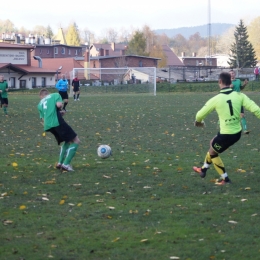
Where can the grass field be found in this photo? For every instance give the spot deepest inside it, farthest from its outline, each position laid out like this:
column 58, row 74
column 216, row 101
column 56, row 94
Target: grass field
column 144, row 202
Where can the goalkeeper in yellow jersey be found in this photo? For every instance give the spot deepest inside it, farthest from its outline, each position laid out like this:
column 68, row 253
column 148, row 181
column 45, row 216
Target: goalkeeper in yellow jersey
column 228, row 107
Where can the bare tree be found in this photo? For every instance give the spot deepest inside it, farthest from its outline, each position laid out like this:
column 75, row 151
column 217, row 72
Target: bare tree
column 87, row 36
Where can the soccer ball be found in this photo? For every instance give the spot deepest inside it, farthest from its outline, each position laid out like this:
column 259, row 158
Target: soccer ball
column 104, row 151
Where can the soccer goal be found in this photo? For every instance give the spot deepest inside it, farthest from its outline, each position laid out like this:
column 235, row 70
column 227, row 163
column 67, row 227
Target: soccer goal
column 115, row 80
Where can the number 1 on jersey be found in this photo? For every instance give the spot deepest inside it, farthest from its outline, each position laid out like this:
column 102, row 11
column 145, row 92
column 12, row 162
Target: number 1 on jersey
column 230, row 107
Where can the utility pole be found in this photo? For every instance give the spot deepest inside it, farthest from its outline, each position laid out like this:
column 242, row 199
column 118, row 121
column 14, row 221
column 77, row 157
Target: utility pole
column 209, row 34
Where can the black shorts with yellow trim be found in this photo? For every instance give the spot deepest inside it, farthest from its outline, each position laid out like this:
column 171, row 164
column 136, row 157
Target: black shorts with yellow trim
column 222, row 142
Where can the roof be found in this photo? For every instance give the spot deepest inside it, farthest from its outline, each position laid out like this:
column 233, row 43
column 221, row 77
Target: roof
column 26, row 69
column 4, row 45
column 172, row 59
column 54, row 63
column 108, row 46
column 112, row 57
column 60, row 37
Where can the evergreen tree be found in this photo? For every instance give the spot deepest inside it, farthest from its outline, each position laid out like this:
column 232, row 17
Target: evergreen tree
column 137, row 45
column 242, row 51
column 72, row 36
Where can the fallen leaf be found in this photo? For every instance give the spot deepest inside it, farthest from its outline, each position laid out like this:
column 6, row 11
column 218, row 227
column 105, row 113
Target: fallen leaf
column 62, row 202
column 232, row 222
column 14, row 164
column 22, row 207
column 7, row 222
column 116, row 239
column 144, row 240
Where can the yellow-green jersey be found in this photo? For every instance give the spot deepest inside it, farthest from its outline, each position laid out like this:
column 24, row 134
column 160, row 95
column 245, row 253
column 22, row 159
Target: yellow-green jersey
column 49, row 112
column 228, row 107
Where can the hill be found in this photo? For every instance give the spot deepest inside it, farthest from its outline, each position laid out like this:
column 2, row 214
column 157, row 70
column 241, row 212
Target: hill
column 216, row 29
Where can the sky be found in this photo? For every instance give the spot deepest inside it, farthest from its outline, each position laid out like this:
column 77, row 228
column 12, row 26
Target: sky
column 100, row 15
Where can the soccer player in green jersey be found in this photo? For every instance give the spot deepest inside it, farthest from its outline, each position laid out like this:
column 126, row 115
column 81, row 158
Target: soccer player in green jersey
column 228, row 106
column 50, row 109
column 3, row 94
column 238, row 86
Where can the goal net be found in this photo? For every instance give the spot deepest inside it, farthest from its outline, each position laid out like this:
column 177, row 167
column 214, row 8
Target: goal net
column 115, row 80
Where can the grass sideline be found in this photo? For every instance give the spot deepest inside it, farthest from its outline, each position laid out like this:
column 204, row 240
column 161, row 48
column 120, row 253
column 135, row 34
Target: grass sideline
column 144, row 202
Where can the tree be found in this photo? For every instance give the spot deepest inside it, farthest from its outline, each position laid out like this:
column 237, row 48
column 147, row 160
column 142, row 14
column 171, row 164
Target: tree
column 72, row 36
column 157, row 52
column 179, row 44
column 242, row 51
column 39, row 29
column 254, row 35
column 225, row 41
column 87, row 36
column 137, row 45
column 48, row 32
column 7, row 26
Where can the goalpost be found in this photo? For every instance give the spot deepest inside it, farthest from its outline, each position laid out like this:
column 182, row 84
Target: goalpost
column 115, row 80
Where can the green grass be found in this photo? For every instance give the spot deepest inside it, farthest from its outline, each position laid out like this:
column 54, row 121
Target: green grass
column 146, row 190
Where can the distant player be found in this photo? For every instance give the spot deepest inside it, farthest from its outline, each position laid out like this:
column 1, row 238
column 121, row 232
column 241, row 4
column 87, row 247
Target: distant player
column 76, row 88
column 50, row 112
column 62, row 85
column 3, row 94
column 238, row 86
column 228, row 106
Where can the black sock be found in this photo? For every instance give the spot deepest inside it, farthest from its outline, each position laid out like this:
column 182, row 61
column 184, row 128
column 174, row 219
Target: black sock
column 65, row 104
column 78, row 96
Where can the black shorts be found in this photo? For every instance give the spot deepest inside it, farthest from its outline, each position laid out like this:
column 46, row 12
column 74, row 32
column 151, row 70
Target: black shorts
column 63, row 133
column 222, row 142
column 64, row 94
column 76, row 89
column 4, row 101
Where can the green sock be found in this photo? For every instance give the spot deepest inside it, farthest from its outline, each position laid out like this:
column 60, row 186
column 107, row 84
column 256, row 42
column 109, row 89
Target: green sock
column 63, row 150
column 71, row 152
column 5, row 110
column 243, row 122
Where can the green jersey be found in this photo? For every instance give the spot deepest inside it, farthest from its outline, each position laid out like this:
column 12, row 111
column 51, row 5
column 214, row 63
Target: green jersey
column 228, row 107
column 236, row 85
column 48, row 110
column 3, row 87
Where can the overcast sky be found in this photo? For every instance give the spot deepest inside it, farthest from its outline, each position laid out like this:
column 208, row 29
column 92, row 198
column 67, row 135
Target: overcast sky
column 103, row 14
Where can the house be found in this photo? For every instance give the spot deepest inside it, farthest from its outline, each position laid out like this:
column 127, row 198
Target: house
column 16, row 67
column 198, row 61
column 113, row 49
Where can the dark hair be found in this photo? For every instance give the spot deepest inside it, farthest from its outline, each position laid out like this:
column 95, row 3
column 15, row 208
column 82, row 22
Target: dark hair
column 225, row 78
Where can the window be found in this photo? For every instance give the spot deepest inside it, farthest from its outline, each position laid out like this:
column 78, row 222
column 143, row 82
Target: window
column 40, row 51
column 12, row 83
column 69, row 52
column 62, row 50
column 33, row 82
column 43, row 82
column 55, row 50
column 140, row 63
column 76, row 52
column 48, row 51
